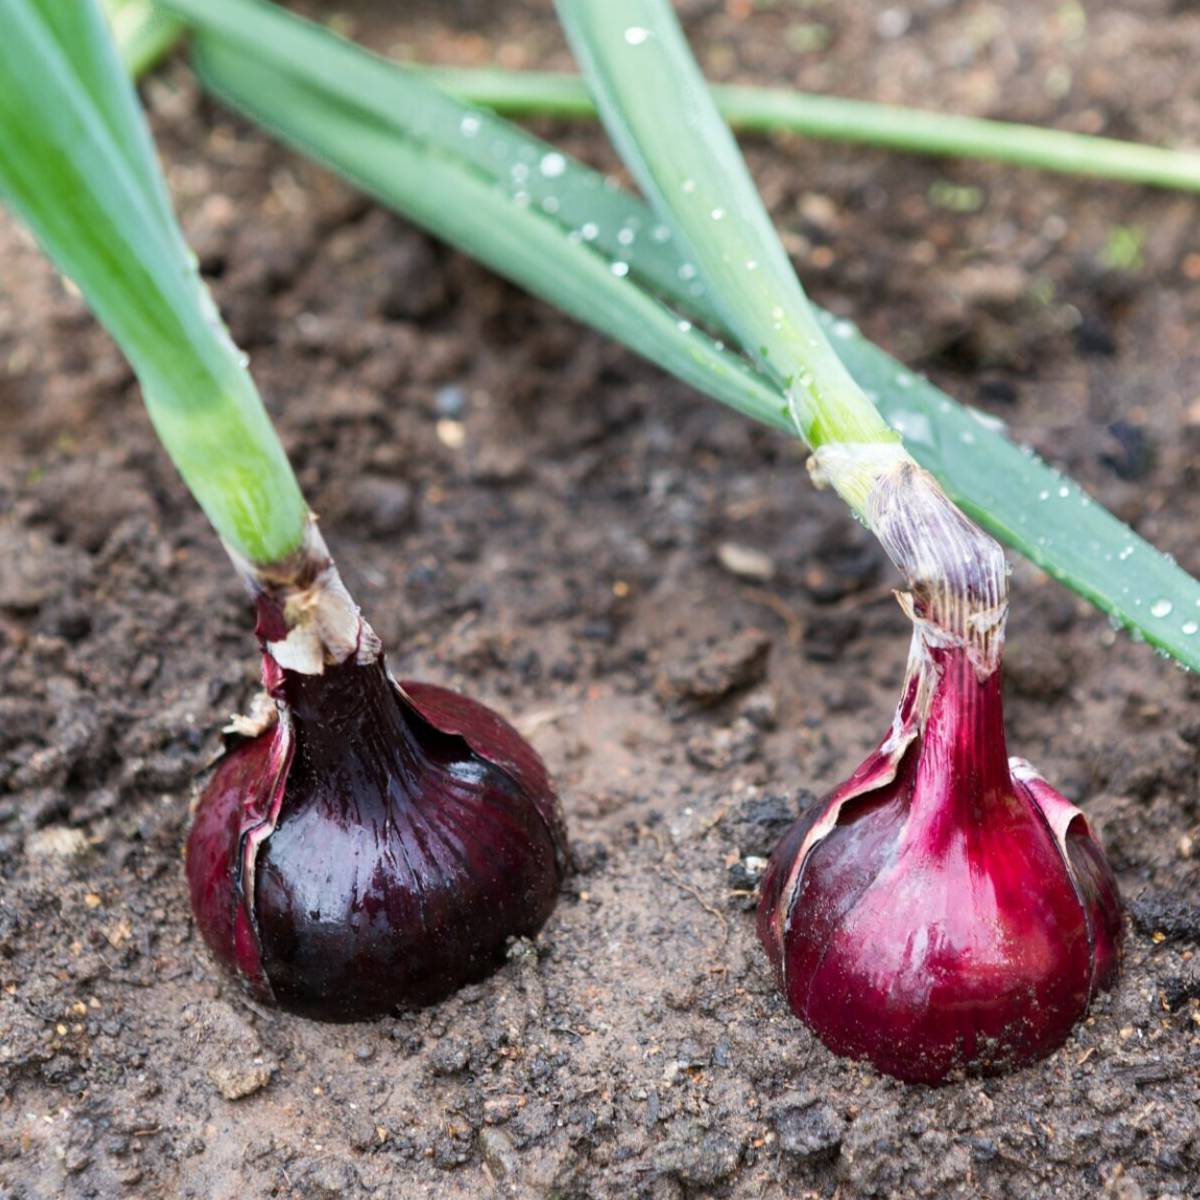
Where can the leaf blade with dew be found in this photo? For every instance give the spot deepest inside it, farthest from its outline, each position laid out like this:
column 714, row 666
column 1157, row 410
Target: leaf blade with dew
column 858, row 122
column 993, row 480
column 144, row 33
column 658, row 113
column 81, row 173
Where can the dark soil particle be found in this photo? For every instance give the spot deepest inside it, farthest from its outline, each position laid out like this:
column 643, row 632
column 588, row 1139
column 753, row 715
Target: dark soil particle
column 696, row 641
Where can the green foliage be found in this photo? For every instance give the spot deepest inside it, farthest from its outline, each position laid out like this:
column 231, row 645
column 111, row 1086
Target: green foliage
column 558, row 228
column 77, row 165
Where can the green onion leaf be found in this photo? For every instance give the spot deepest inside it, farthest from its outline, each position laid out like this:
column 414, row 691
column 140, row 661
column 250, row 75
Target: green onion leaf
column 556, row 227
column 862, row 122
column 76, row 164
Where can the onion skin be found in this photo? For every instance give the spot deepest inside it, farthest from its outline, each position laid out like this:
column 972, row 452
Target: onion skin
column 376, row 848
column 945, row 910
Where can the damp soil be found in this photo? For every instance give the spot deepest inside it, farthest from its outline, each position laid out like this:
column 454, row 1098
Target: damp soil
column 695, row 640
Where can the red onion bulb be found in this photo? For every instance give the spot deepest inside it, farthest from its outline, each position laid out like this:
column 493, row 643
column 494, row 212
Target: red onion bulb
column 375, row 848
column 945, row 909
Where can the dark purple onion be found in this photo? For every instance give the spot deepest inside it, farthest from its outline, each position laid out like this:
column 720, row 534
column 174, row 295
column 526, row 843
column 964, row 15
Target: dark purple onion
column 376, row 848
column 944, row 909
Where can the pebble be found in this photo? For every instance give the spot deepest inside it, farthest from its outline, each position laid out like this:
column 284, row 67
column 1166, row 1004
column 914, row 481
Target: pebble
column 746, row 562
column 718, row 749
column 238, row 1082
column 810, row 1131
column 707, row 674
column 498, row 1152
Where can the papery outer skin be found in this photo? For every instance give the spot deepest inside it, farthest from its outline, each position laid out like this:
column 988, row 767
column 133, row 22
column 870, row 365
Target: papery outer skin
column 243, row 792
column 936, row 913
column 416, row 832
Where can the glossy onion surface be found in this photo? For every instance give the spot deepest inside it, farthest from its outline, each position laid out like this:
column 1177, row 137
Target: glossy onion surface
column 943, row 910
column 375, row 848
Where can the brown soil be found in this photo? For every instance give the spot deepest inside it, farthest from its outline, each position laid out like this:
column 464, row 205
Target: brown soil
column 563, row 563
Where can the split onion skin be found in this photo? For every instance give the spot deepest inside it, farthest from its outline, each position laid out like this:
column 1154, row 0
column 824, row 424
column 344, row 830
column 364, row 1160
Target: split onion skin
column 375, row 849
column 945, row 911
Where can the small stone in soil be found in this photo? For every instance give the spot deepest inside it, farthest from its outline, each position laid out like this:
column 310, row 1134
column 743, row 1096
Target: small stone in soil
column 809, row 1131
column 706, row 675
column 238, row 1082
column 746, row 562
column 328, row 1177
column 498, row 1152
column 761, row 709
column 719, row 749
column 698, row 1160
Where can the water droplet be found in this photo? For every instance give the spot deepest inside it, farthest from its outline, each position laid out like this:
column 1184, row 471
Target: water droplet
column 717, row 214
column 914, row 426
column 519, row 172
column 1161, row 608
column 620, row 269
column 689, row 186
column 1189, row 627
column 903, row 379
column 661, row 233
column 590, row 231
column 1125, row 553
column 843, row 329
column 751, row 264
column 967, row 437
column 986, row 419
column 550, row 204
column 243, row 358
column 684, row 326
column 626, row 236
column 1064, row 491
column 552, row 165
column 521, row 199
column 777, row 313
column 1043, row 494
column 469, row 125
column 687, row 271
column 635, row 35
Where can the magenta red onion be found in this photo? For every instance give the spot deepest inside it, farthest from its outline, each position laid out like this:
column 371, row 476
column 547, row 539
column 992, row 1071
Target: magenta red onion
column 376, row 847
column 945, row 909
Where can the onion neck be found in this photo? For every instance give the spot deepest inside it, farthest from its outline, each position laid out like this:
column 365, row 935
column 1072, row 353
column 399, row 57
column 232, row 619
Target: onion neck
column 307, row 620
column 962, row 775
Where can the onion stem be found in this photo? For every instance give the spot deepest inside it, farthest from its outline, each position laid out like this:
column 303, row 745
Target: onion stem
column 77, row 165
column 662, row 118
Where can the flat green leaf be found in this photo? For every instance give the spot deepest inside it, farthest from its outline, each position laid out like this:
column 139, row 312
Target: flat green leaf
column 862, row 122
column 556, row 227
column 77, row 166
column 659, row 114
